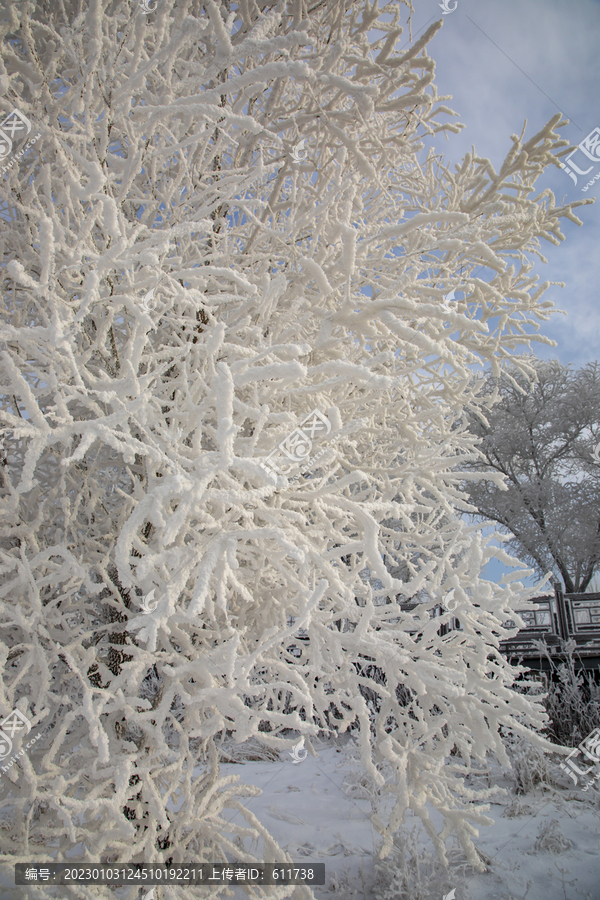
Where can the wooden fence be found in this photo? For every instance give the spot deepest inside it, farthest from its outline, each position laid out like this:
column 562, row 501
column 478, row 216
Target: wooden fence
column 558, row 618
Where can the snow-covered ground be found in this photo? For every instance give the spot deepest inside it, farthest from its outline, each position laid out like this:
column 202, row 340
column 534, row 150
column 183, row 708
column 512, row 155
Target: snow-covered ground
column 318, row 810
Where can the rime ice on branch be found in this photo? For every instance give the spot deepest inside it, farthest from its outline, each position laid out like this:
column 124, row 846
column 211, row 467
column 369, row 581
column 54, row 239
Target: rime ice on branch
column 134, row 433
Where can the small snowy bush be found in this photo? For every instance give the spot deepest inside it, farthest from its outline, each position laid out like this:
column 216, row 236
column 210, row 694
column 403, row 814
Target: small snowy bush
column 517, row 808
column 550, row 838
column 572, row 702
column 411, row 873
column 530, row 766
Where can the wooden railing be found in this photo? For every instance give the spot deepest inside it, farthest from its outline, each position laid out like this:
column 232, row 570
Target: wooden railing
column 558, row 618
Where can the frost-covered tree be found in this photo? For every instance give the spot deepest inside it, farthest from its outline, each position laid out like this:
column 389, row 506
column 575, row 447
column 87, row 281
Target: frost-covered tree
column 539, row 440
column 230, row 221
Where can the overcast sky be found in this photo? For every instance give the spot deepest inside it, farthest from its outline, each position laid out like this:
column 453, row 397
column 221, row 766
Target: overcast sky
column 507, row 61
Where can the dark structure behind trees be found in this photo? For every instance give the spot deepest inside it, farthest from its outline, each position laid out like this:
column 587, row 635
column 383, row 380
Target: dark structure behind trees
column 557, row 619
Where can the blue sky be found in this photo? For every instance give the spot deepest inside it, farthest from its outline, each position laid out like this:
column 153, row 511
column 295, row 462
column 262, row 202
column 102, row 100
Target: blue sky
column 507, row 61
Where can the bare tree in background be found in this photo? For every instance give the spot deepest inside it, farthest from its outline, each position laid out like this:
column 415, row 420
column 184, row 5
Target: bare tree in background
column 538, row 443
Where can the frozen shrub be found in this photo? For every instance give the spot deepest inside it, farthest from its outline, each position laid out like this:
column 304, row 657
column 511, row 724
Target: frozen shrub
column 550, row 838
column 530, row 766
column 410, row 873
column 517, row 808
column 572, row 702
